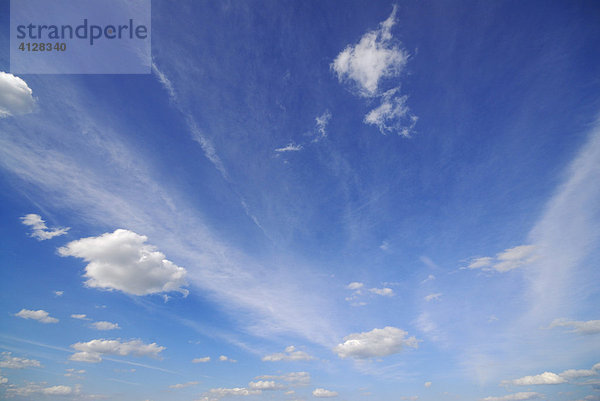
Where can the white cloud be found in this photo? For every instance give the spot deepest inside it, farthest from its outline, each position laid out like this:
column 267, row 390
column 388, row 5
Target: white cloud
column 264, row 385
column 293, row 378
column 15, row 96
column 581, row 327
column 355, row 286
column 105, row 326
column 123, row 261
column 427, row 384
column 183, row 385
column 39, row 315
column 290, row 354
column 523, row 396
column 375, row 343
column 291, row 147
column 392, row 115
column 92, row 351
column 322, row 393
column 432, row 297
column 80, row 316
column 33, row 388
column 239, row 391
column 373, row 58
column 544, row 378
column 12, row 362
column 3, row 380
column 506, row 260
column 385, row 292
column 571, row 374
column 224, row 358
column 429, row 278
column 58, row 293
column 322, row 121
column 39, row 229
column 201, row 360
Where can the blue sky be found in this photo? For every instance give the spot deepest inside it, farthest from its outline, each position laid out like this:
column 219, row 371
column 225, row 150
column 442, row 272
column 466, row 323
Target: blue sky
column 345, row 200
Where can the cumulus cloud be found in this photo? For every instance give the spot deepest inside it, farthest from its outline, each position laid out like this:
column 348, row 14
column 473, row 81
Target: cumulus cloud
column 123, row 261
column 427, row 384
column 183, row 385
column 224, row 358
column 385, row 292
column 580, row 327
column 201, row 360
column 16, row 97
column 239, row 391
column 290, row 354
column 392, row 115
column 31, row 389
column 13, row 362
column 544, row 378
column 355, row 286
column 375, row 343
column 39, row 229
column 105, row 325
column 39, row 315
column 291, row 147
column 93, row 350
column 506, row 260
column 292, row 378
column 523, row 396
column 80, row 316
column 264, row 385
column 322, row 393
column 374, row 57
column 432, row 297
column 58, row 293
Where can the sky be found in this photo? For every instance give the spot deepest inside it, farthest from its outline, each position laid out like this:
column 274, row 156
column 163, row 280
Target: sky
column 350, row 200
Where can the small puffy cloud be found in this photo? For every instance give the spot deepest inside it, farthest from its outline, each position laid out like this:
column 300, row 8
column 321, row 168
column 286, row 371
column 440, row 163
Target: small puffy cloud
column 264, row 385
column 432, row 297
column 375, row 343
column 292, row 378
column 429, row 278
column 31, row 389
column 92, row 351
column 8, row 361
column 74, row 373
column 572, row 374
column 523, row 396
column 201, row 360
column 123, row 261
column 183, row 385
column 239, row 391
column 39, row 315
column 322, row 393
column 80, row 316
column 355, row 286
column 58, row 293
column 385, row 292
column 291, row 147
column 374, row 57
column 544, row 378
column 105, row 326
column 506, row 260
column 290, row 354
column 3, row 380
column 580, row 327
column 427, row 384
column 321, row 124
column 16, row 97
column 224, row 358
column 39, row 229
column 392, row 115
